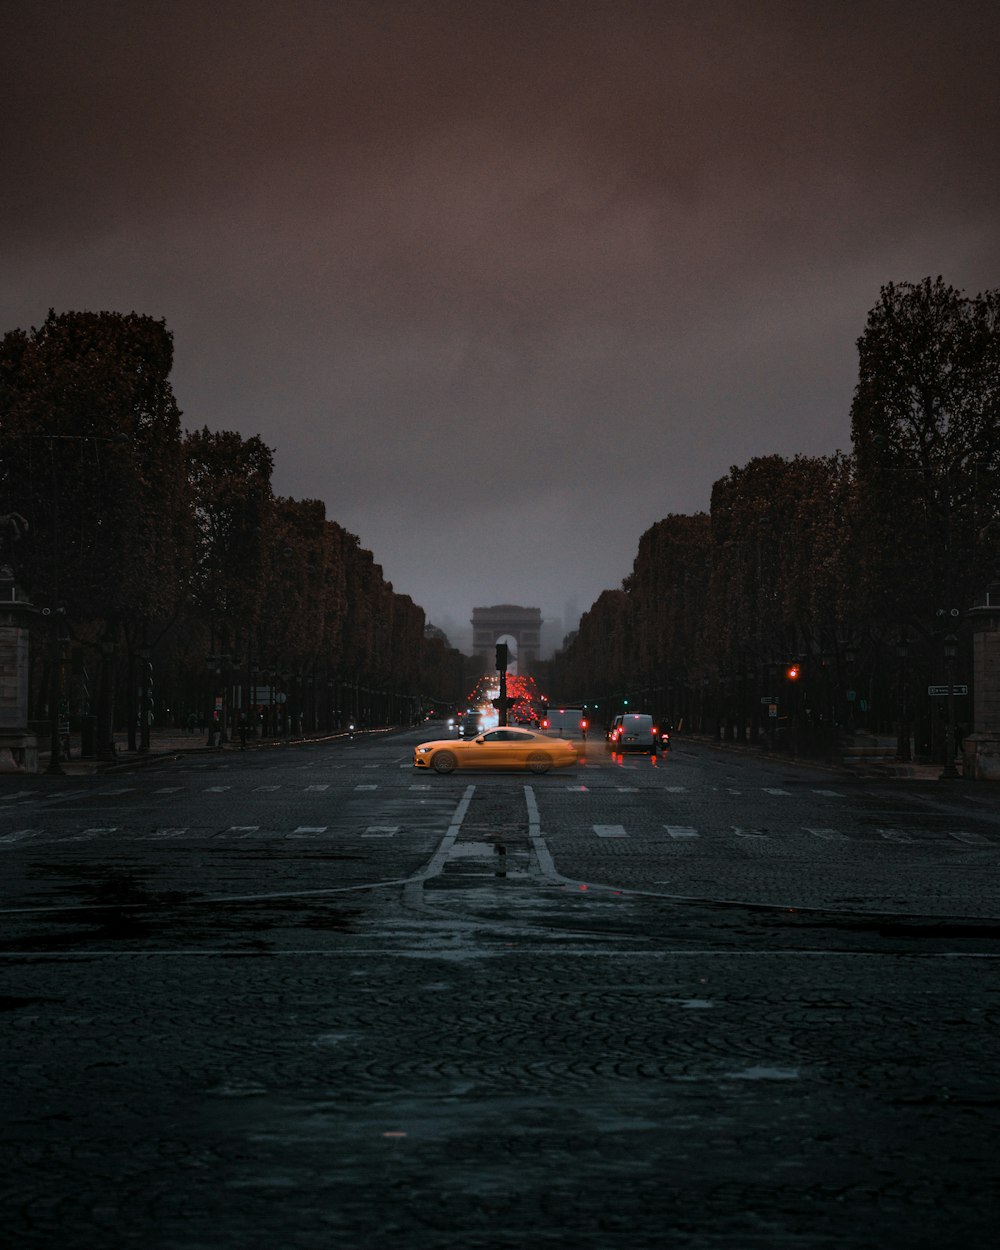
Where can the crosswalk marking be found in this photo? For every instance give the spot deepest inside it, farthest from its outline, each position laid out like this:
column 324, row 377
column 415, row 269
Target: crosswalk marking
column 321, row 787
column 380, row 831
column 675, row 789
column 749, row 833
column 217, row 789
column 375, row 787
column 828, row 835
column 170, row 833
column 774, row 790
column 309, row 829
column 973, row 839
column 18, row 835
column 610, row 831
column 681, row 831
column 267, row 788
column 242, row 828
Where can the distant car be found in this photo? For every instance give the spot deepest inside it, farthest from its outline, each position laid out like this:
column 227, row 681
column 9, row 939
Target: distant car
column 633, row 731
column 498, row 748
column 469, row 725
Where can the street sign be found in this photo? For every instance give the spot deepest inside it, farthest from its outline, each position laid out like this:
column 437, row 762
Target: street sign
column 941, row 692
column 768, row 698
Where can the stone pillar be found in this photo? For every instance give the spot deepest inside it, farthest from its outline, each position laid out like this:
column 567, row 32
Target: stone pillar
column 18, row 747
column 981, row 748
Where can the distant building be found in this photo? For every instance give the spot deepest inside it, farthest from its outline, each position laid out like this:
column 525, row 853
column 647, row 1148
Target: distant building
column 432, row 631
column 519, row 627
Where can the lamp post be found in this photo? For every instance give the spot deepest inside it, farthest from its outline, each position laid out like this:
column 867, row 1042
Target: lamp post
column 903, row 734
column 950, row 651
column 55, row 767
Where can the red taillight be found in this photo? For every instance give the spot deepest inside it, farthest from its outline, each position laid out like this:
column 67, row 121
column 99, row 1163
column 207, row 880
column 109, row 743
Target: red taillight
column 583, row 724
column 545, row 724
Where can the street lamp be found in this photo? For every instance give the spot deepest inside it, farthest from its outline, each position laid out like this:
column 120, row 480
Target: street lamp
column 903, row 736
column 950, row 651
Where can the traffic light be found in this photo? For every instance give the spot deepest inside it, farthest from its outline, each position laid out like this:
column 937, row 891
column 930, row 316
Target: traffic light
column 501, row 657
column 792, row 672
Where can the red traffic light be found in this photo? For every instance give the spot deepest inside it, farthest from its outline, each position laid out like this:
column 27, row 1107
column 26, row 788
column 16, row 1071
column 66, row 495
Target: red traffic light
column 792, row 672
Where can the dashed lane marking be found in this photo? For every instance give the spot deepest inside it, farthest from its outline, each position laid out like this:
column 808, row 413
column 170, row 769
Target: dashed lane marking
column 973, row 839
column 894, row 835
column 18, row 835
column 829, row 794
column 318, row 787
column 610, row 831
column 309, row 829
column 774, row 790
column 375, row 787
column 168, row 790
column 170, row 833
column 380, row 831
column 828, row 835
column 675, row 789
column 242, row 828
column 256, row 788
column 217, row 789
column 681, row 831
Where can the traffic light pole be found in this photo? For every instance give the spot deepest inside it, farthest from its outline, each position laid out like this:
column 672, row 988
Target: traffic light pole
column 502, row 670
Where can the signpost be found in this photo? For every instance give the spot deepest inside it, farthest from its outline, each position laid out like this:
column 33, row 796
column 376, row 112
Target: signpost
column 941, row 692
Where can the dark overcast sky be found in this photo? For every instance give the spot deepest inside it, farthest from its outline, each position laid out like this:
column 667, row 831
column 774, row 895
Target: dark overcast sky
column 502, row 283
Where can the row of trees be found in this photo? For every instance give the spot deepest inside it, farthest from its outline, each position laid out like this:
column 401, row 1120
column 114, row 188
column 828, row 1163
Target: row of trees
column 174, row 583
column 825, row 593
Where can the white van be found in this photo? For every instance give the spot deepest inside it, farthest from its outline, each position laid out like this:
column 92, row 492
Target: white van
column 565, row 722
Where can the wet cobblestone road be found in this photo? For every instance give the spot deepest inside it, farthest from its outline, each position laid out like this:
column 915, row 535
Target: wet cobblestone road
column 466, row 1059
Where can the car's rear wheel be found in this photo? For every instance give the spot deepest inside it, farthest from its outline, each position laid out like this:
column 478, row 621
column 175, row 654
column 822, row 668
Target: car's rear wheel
column 539, row 762
column 444, row 762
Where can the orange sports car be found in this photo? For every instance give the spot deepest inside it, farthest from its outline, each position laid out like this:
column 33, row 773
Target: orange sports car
column 497, row 748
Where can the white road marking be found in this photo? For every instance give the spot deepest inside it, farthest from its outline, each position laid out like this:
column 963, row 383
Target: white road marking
column 217, row 789
column 380, row 831
column 169, row 833
column 774, row 790
column 309, row 829
column 828, row 835
column 627, row 789
column 749, row 833
column 681, row 831
column 242, row 828
column 375, row 787
column 267, row 788
column 323, row 787
column 168, row 790
column 829, row 794
column 610, row 831
column 973, row 839
column 17, row 835
column 894, row 835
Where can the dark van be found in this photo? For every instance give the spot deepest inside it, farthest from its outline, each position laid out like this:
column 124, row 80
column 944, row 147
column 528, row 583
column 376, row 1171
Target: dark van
column 634, row 731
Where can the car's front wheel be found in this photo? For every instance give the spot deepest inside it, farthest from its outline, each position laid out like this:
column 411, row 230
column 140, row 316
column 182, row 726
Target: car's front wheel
column 444, row 762
column 539, row 762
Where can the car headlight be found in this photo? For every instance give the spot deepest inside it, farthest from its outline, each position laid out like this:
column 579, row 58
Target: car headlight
column 423, row 750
